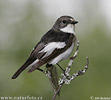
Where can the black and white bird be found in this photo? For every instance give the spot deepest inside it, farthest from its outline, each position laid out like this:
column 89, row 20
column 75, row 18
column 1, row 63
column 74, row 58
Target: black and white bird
column 55, row 46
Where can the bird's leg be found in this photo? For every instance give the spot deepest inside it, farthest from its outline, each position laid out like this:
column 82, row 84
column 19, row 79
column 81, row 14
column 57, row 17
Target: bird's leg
column 41, row 70
column 61, row 69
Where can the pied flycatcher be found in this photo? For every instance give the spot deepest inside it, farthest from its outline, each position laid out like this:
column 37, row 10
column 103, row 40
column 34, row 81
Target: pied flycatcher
column 55, row 46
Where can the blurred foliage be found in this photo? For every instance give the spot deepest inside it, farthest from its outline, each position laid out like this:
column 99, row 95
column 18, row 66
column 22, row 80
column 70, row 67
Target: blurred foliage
column 19, row 33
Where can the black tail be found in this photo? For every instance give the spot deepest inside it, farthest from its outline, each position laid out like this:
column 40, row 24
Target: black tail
column 23, row 67
column 18, row 72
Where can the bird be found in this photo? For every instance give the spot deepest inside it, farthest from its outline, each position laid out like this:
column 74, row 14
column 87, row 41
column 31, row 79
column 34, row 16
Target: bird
column 56, row 45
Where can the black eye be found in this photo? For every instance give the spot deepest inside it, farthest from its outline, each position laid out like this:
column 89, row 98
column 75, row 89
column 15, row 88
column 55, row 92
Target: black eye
column 64, row 22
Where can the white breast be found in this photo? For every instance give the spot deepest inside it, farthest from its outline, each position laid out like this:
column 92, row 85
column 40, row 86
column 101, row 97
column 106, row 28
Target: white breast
column 62, row 56
column 68, row 29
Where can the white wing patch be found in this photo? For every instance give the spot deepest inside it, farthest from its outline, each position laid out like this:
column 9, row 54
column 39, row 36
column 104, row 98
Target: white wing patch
column 68, row 29
column 62, row 56
column 50, row 47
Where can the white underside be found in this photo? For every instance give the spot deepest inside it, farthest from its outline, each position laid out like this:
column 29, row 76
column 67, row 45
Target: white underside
column 68, row 29
column 62, row 56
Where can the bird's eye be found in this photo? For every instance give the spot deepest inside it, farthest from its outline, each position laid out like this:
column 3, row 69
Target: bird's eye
column 64, row 22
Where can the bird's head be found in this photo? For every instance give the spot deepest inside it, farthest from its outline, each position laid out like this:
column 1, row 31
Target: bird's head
column 65, row 24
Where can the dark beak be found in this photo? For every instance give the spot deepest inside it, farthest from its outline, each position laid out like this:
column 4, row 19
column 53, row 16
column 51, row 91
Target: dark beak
column 74, row 22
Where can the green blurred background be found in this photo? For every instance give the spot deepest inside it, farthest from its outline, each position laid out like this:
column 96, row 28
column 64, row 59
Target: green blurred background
column 23, row 22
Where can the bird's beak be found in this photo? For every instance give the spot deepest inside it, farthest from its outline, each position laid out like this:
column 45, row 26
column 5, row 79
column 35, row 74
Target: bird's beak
column 74, row 22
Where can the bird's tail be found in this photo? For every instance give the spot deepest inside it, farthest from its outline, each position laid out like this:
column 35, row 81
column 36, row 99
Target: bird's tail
column 26, row 65
column 20, row 70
